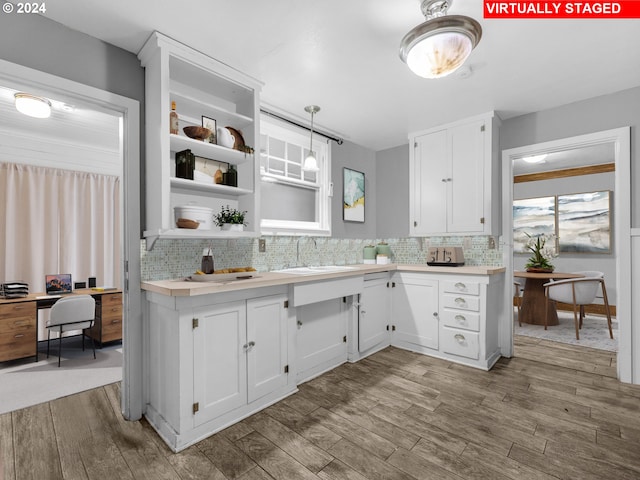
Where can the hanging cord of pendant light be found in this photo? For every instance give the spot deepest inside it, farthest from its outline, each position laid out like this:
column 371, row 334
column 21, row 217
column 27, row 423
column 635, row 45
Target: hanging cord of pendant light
column 310, row 162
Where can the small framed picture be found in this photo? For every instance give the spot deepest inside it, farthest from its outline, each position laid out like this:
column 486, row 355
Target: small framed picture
column 353, row 196
column 210, row 123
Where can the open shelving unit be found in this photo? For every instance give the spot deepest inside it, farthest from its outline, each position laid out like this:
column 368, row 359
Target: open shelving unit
column 200, row 86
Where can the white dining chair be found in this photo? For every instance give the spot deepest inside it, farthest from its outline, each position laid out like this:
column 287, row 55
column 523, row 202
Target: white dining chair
column 578, row 292
column 76, row 312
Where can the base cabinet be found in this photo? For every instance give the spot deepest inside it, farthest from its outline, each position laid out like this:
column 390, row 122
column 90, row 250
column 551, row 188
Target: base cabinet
column 374, row 314
column 321, row 340
column 213, row 362
column 108, row 323
column 415, row 311
column 449, row 316
column 18, row 331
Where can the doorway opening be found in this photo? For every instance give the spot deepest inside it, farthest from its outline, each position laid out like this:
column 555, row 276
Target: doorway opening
column 615, row 264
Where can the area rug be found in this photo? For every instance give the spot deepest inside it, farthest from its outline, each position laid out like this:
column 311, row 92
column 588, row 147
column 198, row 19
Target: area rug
column 594, row 332
column 25, row 382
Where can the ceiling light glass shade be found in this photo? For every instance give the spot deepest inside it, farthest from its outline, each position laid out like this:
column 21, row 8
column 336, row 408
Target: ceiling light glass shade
column 440, row 45
column 32, row 105
column 310, row 163
column 535, row 158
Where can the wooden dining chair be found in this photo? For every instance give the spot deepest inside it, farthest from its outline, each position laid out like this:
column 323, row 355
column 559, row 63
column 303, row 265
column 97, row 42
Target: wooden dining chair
column 517, row 298
column 579, row 292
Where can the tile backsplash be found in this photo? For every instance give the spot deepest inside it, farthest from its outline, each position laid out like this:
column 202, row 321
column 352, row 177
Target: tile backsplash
column 180, row 258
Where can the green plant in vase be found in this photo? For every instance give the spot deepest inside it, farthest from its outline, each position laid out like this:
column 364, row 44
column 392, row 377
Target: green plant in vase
column 230, row 218
column 541, row 254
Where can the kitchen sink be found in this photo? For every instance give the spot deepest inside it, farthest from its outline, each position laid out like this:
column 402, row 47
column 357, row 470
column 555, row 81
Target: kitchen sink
column 315, row 270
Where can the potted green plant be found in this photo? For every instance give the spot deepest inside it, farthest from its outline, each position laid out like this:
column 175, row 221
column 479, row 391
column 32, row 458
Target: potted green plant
column 230, row 219
column 541, row 255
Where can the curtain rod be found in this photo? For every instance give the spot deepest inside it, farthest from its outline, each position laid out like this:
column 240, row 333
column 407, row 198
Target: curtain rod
column 338, row 140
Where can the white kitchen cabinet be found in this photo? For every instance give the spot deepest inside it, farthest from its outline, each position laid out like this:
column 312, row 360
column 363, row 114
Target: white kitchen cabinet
column 214, row 359
column 219, row 360
column 374, row 313
column 267, row 353
column 451, row 316
column 321, row 342
column 200, row 86
column 454, row 175
column 415, row 312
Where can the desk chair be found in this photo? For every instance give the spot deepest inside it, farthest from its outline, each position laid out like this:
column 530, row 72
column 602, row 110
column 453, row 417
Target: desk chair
column 71, row 313
column 579, row 292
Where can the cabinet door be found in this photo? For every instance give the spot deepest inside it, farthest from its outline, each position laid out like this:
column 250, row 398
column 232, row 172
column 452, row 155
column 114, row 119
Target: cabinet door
column 465, row 194
column 415, row 312
column 322, row 329
column 219, row 360
column 267, row 340
column 429, row 177
column 374, row 314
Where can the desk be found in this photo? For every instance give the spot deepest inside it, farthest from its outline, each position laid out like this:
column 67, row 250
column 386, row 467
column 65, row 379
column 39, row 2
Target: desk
column 19, row 321
column 534, row 303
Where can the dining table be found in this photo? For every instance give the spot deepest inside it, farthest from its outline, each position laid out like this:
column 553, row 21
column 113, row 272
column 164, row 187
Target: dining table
column 534, row 305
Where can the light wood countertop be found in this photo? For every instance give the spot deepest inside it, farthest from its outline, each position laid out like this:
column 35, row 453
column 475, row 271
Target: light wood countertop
column 187, row 288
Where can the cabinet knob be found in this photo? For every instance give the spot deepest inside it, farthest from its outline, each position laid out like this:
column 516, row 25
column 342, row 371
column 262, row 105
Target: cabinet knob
column 299, row 323
column 435, row 314
column 363, row 311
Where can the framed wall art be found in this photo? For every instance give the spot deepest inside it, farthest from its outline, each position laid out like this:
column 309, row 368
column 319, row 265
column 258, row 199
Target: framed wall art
column 353, row 196
column 533, row 217
column 584, row 222
column 211, row 124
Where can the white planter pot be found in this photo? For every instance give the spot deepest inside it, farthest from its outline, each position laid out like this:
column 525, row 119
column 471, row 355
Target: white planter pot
column 232, row 227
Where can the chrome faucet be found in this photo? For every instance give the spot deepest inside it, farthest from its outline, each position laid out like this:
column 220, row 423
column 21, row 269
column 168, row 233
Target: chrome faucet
column 315, row 244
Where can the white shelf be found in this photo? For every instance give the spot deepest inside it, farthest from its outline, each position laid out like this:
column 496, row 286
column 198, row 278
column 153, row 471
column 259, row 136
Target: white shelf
column 209, row 150
column 211, row 188
column 223, row 116
column 193, row 234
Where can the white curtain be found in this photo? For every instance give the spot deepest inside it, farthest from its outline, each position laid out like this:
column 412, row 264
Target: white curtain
column 58, row 221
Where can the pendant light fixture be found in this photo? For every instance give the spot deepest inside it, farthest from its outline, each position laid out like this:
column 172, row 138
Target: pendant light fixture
column 311, row 163
column 440, row 45
column 32, row 105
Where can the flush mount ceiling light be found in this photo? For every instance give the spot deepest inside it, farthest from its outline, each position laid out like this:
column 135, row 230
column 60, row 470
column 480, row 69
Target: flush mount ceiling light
column 310, row 163
column 32, row 105
column 440, row 45
column 535, row 158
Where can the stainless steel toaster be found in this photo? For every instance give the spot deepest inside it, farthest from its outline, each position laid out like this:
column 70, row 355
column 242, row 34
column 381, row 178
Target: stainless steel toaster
column 445, row 256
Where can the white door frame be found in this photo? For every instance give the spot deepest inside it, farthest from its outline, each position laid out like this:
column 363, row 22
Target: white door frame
column 41, row 83
column 622, row 236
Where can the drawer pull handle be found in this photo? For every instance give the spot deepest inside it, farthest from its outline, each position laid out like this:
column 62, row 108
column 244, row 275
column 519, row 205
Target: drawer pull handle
column 461, row 319
column 249, row 346
column 459, row 338
column 460, row 286
column 19, row 335
column 115, row 321
column 460, row 301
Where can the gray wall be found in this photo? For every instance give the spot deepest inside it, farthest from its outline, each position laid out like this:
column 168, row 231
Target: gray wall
column 363, row 160
column 392, row 188
column 42, row 44
column 616, row 110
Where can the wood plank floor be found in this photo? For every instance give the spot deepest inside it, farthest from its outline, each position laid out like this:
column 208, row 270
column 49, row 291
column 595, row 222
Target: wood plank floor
column 552, row 411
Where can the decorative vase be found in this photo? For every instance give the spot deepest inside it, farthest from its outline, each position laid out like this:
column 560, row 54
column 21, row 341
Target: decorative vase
column 232, row 227
column 539, row 270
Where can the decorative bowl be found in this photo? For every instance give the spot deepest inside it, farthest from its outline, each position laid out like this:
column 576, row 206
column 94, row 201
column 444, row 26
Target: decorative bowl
column 187, row 223
column 197, row 133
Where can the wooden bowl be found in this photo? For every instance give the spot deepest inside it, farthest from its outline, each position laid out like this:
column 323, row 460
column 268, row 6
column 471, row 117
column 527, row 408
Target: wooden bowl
column 197, row 133
column 186, row 223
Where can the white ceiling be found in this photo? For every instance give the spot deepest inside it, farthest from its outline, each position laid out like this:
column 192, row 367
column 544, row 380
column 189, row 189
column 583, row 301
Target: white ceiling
column 343, row 56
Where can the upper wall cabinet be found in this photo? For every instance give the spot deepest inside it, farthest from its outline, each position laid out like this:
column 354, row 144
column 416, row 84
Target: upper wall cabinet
column 200, row 86
column 454, row 179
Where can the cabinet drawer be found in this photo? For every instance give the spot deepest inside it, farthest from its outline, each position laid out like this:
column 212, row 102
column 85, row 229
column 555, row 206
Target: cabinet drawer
column 12, row 310
column 462, row 302
column 110, row 300
column 458, row 319
column 460, row 342
column 462, row 286
column 20, row 342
